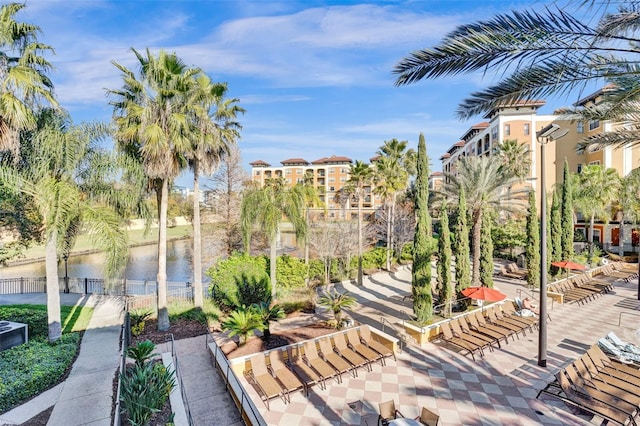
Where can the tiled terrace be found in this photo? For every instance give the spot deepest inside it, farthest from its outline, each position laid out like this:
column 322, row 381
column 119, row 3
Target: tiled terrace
column 497, row 389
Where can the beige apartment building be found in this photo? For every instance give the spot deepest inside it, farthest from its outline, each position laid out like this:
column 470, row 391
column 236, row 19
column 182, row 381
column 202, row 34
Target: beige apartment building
column 328, row 175
column 521, row 122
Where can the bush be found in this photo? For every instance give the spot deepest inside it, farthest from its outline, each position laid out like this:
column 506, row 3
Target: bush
column 28, row 370
column 145, row 387
column 373, row 259
column 316, row 272
column 35, row 317
column 239, row 280
column 290, row 272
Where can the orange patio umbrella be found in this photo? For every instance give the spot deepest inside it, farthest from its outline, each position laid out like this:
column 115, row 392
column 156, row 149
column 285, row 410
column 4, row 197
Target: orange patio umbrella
column 484, row 293
column 567, row 264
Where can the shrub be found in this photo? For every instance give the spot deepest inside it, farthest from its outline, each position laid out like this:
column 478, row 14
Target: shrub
column 242, row 323
column 137, row 318
column 144, row 391
column 290, row 271
column 267, row 313
column 142, row 352
column 337, row 301
column 316, row 271
column 372, row 259
column 28, row 370
column 35, row 317
column 239, row 280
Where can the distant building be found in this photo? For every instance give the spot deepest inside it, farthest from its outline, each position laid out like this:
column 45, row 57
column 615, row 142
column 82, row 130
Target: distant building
column 328, row 175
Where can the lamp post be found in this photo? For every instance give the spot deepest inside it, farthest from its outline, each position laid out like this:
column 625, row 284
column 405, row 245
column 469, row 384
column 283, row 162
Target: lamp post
column 66, row 274
column 545, row 135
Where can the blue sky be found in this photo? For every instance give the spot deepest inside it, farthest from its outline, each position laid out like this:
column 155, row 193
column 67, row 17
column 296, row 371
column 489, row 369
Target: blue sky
column 314, row 76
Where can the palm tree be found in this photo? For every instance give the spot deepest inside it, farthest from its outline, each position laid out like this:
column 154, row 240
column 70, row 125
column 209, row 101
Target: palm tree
column 311, row 199
column 242, row 323
column 515, row 158
column 485, row 185
column 70, row 183
column 216, row 129
column 266, row 207
column 596, row 190
column 337, row 301
column 360, row 175
column 391, row 175
column 267, row 313
column 23, row 80
column 151, row 114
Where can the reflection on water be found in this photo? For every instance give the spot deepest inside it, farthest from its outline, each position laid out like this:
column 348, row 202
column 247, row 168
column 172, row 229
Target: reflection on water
column 142, row 263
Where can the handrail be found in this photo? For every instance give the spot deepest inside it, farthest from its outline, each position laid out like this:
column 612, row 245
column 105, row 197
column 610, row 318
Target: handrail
column 176, row 367
column 402, row 337
column 226, row 373
column 627, row 313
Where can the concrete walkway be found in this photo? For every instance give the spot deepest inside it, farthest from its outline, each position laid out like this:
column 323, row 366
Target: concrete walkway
column 86, row 396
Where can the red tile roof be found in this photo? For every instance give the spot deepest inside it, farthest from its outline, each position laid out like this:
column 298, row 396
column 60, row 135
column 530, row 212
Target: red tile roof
column 260, row 163
column 294, row 161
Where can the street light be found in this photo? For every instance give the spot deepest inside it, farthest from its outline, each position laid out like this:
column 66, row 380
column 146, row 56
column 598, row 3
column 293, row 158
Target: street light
column 547, row 134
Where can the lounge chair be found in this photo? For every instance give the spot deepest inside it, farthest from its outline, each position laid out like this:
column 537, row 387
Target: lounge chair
column 610, row 383
column 602, row 361
column 304, row 371
column 337, row 362
column 514, row 269
column 388, row 412
column 322, row 367
column 289, row 381
column 457, row 341
column 508, row 311
column 428, row 417
column 263, row 381
column 622, row 345
column 602, row 391
column 472, row 323
column 505, row 273
column 515, row 327
column 366, row 352
column 367, row 339
column 610, row 348
column 343, row 349
column 482, row 322
column 461, row 325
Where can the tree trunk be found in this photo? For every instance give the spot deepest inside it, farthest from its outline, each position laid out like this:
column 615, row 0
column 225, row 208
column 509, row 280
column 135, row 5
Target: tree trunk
column 197, row 240
column 53, row 288
column 360, row 238
column 273, row 255
column 306, row 249
column 389, row 228
column 590, row 239
column 621, row 237
column 477, row 225
column 163, row 313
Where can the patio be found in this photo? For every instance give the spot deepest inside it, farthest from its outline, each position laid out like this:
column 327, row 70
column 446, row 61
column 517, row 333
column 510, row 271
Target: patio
column 497, row 389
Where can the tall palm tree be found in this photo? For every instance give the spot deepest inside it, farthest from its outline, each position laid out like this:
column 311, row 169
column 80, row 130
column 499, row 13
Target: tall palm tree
column 215, row 130
column 151, row 114
column 23, row 79
column 391, row 175
column 360, row 175
column 311, row 199
column 596, row 190
column 70, row 183
column 485, row 185
column 515, row 158
column 266, row 208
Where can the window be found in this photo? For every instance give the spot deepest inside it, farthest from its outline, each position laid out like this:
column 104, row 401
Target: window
column 288, row 172
column 332, row 188
column 300, row 180
column 507, row 129
column 332, row 179
column 594, row 163
column 343, row 170
column 257, row 172
column 343, row 179
column 494, row 133
column 594, row 124
column 526, row 129
column 580, row 168
column 331, row 170
column 580, row 127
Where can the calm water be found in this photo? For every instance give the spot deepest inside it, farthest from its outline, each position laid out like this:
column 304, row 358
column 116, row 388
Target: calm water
column 142, row 263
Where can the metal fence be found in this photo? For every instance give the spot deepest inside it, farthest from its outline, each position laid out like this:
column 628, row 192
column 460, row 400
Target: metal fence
column 23, row 285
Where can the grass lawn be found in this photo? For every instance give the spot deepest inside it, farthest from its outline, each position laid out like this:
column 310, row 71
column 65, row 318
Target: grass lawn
column 136, row 237
column 30, row 369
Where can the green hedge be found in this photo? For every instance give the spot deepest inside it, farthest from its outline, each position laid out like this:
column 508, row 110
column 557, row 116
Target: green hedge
column 28, row 370
column 35, row 316
column 239, row 280
column 290, row 272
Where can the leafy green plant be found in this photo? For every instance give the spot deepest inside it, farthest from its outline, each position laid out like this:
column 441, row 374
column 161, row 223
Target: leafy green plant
column 290, row 272
column 239, row 280
column 142, row 352
column 137, row 319
column 337, row 301
column 144, row 391
column 267, row 313
column 241, row 323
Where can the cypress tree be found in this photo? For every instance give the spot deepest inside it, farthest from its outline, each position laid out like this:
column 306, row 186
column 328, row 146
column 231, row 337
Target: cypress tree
column 422, row 250
column 444, row 261
column 567, row 214
column 532, row 251
column 556, row 231
column 463, row 266
column 486, row 250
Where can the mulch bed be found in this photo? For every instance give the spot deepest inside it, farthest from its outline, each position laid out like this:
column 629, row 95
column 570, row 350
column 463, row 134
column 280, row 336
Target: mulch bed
column 180, row 328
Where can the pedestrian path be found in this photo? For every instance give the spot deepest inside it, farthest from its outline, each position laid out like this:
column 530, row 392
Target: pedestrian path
column 86, row 396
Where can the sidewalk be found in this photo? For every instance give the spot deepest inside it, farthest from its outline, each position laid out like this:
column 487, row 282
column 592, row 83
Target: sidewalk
column 86, row 396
